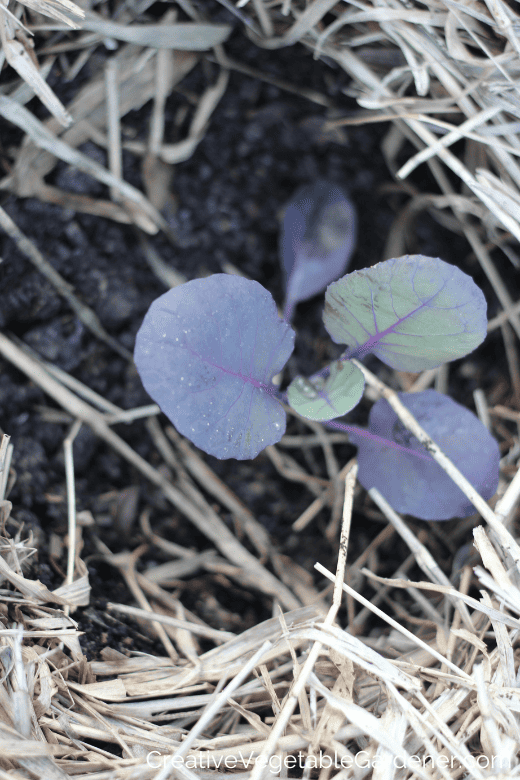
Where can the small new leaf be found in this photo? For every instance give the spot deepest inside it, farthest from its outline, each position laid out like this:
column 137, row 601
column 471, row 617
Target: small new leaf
column 324, row 399
column 317, row 240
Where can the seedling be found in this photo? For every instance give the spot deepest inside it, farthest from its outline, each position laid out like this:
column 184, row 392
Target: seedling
column 207, row 352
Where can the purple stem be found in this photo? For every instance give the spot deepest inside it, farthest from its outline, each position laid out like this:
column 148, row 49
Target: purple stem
column 354, row 428
column 380, row 439
column 288, row 311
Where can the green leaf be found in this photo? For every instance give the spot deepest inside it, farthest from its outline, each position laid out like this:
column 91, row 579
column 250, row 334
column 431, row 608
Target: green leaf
column 325, row 399
column 412, row 312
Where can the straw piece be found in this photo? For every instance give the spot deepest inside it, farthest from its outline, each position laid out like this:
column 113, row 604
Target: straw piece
column 209, row 633
column 208, row 522
column 424, row 559
column 392, row 622
column 18, row 58
column 210, row 482
column 115, row 162
column 490, row 612
column 57, row 9
column 85, row 314
column 306, row 671
column 490, row 558
column 186, row 36
column 183, row 150
column 148, row 218
column 31, row 589
column 110, row 690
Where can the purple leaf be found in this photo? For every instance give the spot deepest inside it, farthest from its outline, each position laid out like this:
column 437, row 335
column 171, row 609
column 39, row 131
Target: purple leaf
column 419, row 487
column 206, row 353
column 413, row 312
column 318, row 237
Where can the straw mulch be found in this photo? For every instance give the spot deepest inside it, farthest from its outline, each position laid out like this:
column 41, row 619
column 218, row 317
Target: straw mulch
column 297, row 693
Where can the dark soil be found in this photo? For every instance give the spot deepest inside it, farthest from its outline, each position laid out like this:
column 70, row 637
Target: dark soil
column 262, row 144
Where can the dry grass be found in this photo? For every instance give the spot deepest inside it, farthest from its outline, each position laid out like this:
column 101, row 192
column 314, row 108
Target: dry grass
column 436, row 702
column 439, row 701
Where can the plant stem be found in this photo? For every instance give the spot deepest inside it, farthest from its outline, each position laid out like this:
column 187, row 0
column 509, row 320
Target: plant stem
column 385, row 442
column 282, row 397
